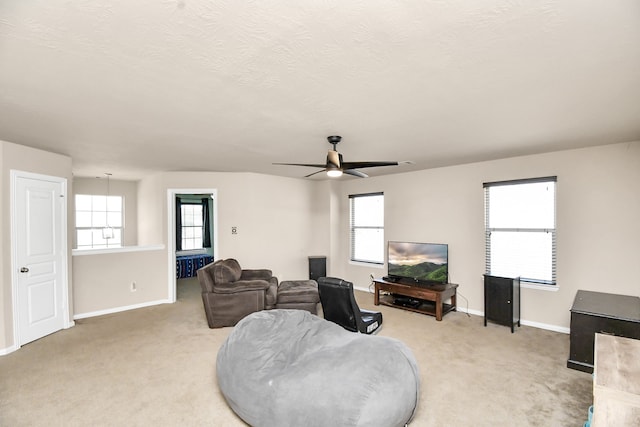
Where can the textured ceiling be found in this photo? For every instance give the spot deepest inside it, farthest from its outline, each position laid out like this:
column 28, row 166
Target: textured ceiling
column 134, row 87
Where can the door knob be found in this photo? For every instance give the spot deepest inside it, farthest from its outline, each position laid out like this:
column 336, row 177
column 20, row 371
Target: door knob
column 24, row 270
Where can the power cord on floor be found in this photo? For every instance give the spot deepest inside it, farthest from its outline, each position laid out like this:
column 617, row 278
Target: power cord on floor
column 465, row 298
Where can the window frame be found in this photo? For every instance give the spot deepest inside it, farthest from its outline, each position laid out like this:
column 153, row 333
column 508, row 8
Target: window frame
column 98, row 229
column 183, row 227
column 353, row 228
column 550, row 252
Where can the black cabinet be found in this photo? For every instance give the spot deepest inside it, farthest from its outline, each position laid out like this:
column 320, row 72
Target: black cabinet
column 502, row 300
column 317, row 267
column 597, row 312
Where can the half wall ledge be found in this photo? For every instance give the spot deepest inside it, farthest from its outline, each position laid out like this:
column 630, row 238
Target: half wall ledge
column 79, row 252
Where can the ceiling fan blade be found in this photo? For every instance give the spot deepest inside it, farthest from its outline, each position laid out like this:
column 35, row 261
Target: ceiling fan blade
column 311, row 174
column 334, row 158
column 301, row 164
column 355, row 173
column 360, row 165
column 335, row 166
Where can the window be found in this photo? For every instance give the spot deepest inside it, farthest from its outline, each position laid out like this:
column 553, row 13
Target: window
column 95, row 213
column 367, row 227
column 191, row 227
column 520, row 229
column 193, row 222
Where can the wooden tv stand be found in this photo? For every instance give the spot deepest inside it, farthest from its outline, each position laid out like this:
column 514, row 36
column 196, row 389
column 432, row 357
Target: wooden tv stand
column 430, row 298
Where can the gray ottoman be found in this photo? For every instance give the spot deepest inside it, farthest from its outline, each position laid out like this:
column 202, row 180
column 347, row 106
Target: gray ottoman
column 298, row 295
column 291, row 368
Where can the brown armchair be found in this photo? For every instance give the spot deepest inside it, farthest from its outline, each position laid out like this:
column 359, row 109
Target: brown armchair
column 229, row 293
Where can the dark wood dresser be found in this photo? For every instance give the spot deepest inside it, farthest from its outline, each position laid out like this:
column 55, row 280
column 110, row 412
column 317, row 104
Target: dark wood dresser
column 597, row 312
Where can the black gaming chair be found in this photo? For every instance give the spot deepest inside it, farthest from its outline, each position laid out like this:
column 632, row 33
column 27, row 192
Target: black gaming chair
column 339, row 306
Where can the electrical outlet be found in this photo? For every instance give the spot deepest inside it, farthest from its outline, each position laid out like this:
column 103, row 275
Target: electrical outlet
column 134, row 287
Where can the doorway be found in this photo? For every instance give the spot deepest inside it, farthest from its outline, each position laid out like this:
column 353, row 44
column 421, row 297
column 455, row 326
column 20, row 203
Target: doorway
column 191, row 196
column 38, row 256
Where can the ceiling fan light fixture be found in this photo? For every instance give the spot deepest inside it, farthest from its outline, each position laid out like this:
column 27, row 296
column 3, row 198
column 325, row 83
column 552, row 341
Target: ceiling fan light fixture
column 107, row 233
column 335, row 166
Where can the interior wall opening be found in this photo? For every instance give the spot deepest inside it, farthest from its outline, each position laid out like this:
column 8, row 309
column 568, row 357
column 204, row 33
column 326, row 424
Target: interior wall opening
column 192, row 236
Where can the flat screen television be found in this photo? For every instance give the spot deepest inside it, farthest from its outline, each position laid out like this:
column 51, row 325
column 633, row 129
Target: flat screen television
column 418, row 262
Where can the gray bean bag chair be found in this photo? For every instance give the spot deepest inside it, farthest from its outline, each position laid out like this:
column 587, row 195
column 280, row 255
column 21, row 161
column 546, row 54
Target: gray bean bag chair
column 291, row 368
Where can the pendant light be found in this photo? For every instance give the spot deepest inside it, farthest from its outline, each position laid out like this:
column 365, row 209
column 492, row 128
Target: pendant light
column 107, row 232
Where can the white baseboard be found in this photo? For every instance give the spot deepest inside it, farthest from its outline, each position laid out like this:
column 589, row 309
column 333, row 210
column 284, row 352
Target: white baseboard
column 5, row 351
column 118, row 309
column 11, row 349
column 523, row 322
column 538, row 325
column 67, row 325
column 470, row 311
column 546, row 326
column 363, row 289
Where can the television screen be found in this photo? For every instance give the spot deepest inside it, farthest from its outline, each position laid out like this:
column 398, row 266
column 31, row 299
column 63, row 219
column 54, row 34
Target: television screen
column 424, row 262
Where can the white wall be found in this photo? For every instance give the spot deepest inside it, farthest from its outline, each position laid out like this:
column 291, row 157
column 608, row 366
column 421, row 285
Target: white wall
column 275, row 217
column 151, row 210
column 598, row 226
column 25, row 159
column 282, row 221
column 104, row 280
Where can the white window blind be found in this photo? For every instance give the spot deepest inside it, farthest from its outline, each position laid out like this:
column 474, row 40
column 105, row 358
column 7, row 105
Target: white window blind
column 520, row 229
column 367, row 227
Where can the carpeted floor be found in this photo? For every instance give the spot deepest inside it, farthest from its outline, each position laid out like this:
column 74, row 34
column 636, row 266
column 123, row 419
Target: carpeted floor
column 156, row 366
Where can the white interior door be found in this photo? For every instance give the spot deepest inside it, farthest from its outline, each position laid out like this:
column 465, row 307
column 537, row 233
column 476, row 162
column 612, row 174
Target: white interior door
column 39, row 256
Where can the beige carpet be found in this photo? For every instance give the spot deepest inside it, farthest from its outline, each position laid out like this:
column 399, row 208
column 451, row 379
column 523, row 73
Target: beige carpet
column 156, row 366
